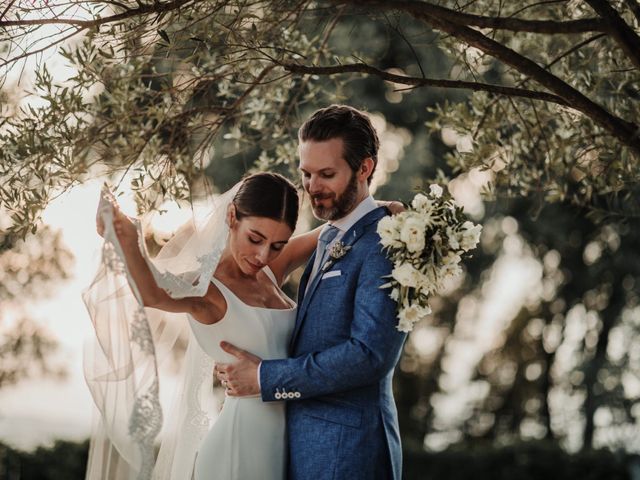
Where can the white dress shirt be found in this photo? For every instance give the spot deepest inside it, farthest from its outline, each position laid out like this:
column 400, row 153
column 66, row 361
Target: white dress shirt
column 343, row 224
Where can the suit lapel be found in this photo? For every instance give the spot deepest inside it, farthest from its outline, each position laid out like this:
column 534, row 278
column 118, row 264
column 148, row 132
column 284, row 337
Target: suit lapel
column 304, row 279
column 349, row 239
column 301, row 296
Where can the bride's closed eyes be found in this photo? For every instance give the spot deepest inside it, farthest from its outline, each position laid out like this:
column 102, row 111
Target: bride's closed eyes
column 276, row 246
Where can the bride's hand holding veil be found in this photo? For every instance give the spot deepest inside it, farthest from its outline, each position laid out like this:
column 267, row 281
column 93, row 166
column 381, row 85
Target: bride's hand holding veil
column 123, row 226
column 206, row 309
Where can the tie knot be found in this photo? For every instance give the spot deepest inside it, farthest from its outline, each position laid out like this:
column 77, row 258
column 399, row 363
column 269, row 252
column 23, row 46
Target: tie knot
column 327, row 234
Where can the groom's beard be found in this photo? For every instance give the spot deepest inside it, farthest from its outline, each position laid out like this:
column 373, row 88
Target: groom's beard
column 342, row 205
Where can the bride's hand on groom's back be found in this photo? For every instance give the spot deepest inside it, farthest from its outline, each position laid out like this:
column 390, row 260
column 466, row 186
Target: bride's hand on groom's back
column 393, row 206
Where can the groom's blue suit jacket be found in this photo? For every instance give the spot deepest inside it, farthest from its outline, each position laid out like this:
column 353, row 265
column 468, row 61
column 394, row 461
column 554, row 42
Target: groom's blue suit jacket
column 342, row 421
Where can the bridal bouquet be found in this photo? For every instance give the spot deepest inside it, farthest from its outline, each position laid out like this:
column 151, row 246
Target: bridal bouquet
column 426, row 244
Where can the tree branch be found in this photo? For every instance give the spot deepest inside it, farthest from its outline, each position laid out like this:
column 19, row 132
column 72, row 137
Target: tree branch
column 423, row 82
column 499, row 23
column 534, row 5
column 285, row 111
column 573, row 49
column 627, row 132
column 29, row 53
column 635, row 8
column 9, row 5
column 141, row 10
column 82, row 25
column 626, row 37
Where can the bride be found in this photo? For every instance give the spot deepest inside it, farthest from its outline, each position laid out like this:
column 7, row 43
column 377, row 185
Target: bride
column 246, row 243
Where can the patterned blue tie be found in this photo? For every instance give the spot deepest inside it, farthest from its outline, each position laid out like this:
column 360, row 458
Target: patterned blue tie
column 326, row 236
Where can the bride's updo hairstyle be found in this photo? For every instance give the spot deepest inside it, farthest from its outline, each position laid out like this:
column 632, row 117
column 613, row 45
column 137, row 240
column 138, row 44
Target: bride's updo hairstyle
column 268, row 195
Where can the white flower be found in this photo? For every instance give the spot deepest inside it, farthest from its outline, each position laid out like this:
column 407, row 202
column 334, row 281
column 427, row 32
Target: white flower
column 450, row 270
column 435, row 190
column 452, row 238
column 470, row 236
column 464, row 144
column 410, row 315
column 451, row 258
column 404, row 326
column 421, row 202
column 431, row 280
column 338, row 250
column 406, row 275
column 427, row 282
column 389, row 231
column 412, row 234
column 395, row 294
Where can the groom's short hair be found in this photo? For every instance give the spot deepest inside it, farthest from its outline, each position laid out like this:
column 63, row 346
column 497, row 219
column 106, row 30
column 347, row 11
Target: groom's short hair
column 352, row 126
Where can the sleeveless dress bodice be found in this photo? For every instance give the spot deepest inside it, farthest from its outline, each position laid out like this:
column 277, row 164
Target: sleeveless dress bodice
column 248, row 440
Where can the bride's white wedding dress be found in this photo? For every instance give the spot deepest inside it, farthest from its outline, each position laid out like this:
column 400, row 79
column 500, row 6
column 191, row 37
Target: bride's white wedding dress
column 248, row 439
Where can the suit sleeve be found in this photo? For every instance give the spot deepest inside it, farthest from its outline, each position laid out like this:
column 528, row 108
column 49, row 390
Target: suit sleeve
column 370, row 353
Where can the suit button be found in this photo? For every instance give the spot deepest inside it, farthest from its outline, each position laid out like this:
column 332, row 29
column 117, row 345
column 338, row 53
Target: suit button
column 290, row 395
column 278, row 396
column 297, row 395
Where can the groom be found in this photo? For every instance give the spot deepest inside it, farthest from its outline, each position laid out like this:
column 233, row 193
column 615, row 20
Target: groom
column 341, row 417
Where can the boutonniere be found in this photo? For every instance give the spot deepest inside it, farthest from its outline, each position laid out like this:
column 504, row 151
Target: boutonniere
column 336, row 252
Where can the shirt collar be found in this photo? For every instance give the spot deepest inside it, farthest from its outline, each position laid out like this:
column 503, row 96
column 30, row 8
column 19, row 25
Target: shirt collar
column 365, row 206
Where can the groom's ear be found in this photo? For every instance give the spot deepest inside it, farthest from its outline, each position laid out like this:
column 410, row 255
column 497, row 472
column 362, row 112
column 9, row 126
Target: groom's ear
column 366, row 169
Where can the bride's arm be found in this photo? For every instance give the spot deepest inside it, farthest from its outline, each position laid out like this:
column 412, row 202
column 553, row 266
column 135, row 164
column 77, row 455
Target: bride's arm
column 295, row 254
column 299, row 248
column 208, row 309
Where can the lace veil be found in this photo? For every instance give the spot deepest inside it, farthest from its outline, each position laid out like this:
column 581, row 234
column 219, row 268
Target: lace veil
column 121, row 364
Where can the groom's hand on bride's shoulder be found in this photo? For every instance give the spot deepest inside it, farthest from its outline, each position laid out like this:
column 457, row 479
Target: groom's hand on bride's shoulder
column 239, row 378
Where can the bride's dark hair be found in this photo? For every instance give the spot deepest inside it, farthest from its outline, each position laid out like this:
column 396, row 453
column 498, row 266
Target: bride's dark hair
column 270, row 195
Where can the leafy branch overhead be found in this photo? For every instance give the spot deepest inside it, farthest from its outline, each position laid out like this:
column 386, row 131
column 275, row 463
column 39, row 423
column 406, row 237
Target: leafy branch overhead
column 551, row 89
